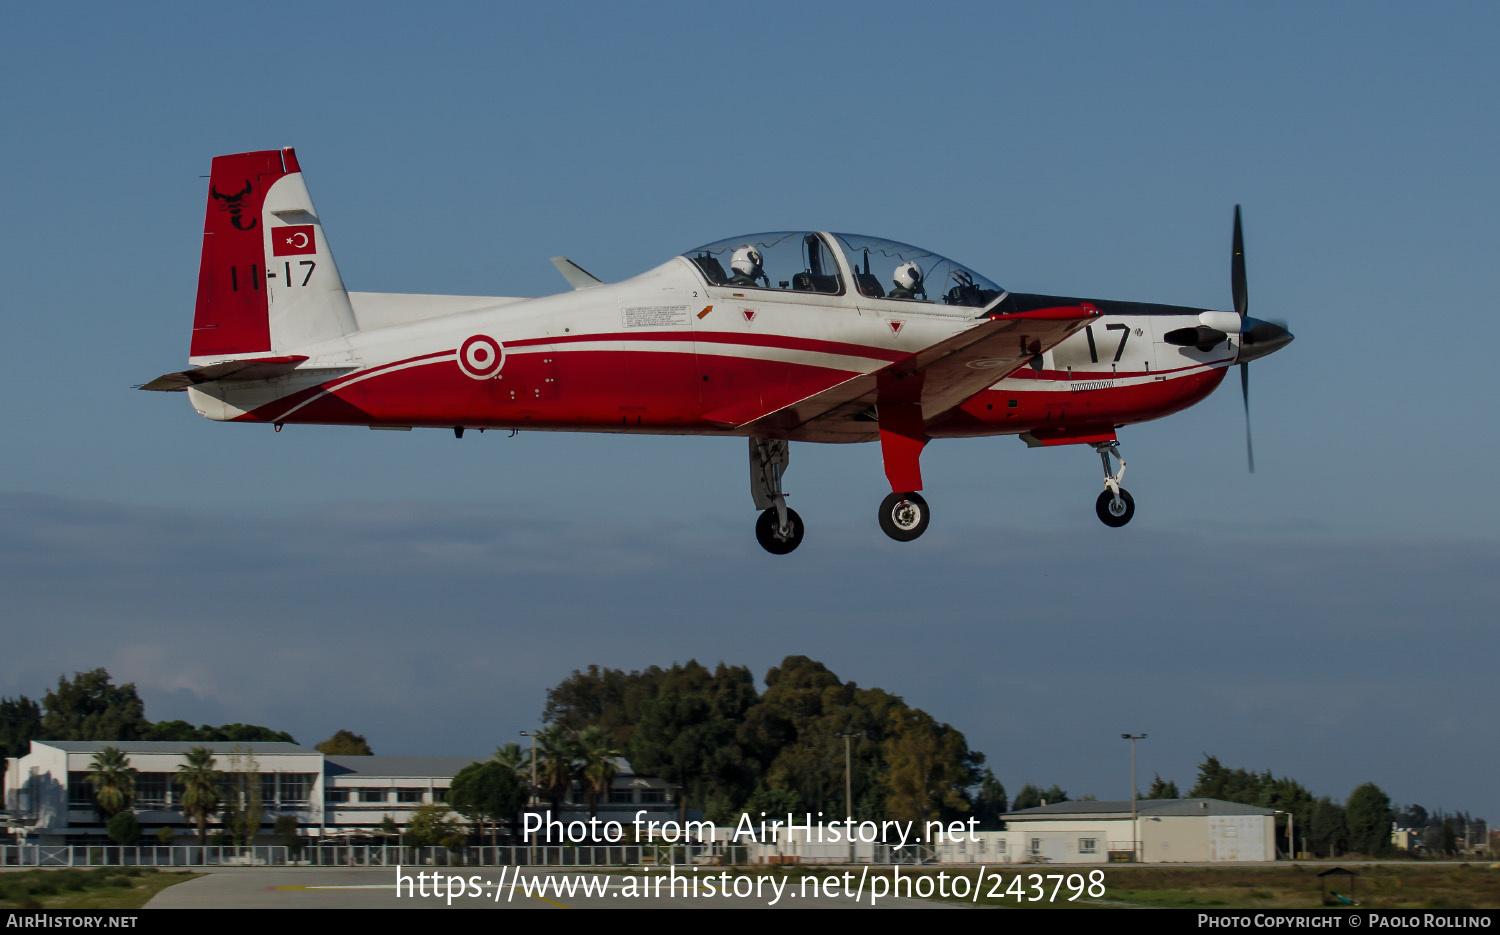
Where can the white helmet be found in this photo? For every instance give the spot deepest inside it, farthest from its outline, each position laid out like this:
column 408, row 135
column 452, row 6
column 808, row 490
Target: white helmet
column 909, row 276
column 746, row 261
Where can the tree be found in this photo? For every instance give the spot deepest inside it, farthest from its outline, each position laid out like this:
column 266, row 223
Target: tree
column 243, row 806
column 165, row 836
column 556, row 751
column 123, row 829
column 676, row 740
column 1413, row 816
column 1326, row 831
column 773, row 803
column 20, row 723
column 1368, row 817
column 200, row 788
column 288, row 833
column 709, row 733
column 1029, row 797
column 90, row 707
column 346, row 743
column 929, row 768
column 597, row 751
column 489, row 792
column 990, row 803
column 513, row 757
column 114, row 782
column 1162, row 790
column 432, row 825
column 184, row 732
column 1449, row 842
column 389, row 828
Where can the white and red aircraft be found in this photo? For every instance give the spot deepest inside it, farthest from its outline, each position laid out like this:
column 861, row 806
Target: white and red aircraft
column 780, row 337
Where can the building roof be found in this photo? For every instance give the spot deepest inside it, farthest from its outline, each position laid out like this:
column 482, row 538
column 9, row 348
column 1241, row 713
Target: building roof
column 216, row 747
column 402, row 767
column 1153, row 808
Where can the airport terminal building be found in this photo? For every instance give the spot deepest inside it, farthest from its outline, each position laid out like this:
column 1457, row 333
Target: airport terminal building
column 49, row 799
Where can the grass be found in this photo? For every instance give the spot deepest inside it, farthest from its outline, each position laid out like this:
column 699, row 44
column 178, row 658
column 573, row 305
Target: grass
column 104, row 888
column 1295, row 886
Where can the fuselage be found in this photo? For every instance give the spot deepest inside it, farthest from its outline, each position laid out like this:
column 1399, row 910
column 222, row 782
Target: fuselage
column 669, row 352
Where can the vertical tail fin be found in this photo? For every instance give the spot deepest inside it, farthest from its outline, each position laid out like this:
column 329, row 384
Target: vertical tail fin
column 267, row 283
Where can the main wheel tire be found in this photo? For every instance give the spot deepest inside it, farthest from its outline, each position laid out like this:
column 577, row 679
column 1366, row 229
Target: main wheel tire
column 765, row 532
column 904, row 516
column 1109, row 513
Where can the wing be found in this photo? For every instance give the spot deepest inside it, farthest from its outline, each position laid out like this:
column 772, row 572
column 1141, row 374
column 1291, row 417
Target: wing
column 938, row 378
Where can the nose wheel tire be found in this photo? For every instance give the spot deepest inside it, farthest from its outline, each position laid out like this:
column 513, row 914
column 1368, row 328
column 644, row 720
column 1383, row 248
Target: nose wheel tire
column 904, row 516
column 1112, row 513
column 766, row 532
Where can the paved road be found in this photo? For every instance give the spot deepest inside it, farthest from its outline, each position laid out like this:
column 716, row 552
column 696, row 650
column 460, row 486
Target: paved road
column 475, row 888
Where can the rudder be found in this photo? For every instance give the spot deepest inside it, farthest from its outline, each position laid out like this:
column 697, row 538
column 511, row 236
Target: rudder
column 267, row 282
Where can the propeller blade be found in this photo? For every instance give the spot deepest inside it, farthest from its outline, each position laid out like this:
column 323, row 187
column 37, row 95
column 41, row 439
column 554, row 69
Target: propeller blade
column 1245, row 390
column 1237, row 269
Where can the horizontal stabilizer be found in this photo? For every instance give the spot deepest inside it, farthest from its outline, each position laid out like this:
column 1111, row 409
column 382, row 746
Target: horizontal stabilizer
column 255, row 368
column 577, row 276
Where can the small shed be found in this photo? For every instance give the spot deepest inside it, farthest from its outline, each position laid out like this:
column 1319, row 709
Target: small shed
column 1337, row 876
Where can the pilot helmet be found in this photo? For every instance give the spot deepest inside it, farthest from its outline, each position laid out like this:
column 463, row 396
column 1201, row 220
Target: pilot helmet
column 746, row 261
column 909, row 276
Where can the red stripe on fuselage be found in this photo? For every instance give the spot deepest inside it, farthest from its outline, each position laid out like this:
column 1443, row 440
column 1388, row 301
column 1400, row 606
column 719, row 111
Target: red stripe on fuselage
column 670, row 392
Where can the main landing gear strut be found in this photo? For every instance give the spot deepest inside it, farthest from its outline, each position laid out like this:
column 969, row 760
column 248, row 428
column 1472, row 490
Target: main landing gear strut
column 1115, row 506
column 779, row 529
column 903, row 514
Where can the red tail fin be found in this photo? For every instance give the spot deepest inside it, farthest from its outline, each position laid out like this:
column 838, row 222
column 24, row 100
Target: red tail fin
column 232, row 314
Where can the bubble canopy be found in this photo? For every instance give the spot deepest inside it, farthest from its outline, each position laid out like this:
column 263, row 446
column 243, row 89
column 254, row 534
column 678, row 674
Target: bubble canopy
column 804, row 261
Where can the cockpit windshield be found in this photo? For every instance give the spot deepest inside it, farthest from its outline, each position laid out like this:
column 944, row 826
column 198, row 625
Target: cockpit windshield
column 803, row 261
column 886, row 269
column 799, row 261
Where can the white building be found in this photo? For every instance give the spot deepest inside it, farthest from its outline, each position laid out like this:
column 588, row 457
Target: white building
column 49, row 800
column 1168, row 831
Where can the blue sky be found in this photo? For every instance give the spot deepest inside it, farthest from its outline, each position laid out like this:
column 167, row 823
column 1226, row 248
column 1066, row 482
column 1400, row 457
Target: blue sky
column 1329, row 618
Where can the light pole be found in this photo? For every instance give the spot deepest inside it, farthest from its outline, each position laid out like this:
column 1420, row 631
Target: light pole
column 531, row 799
column 1135, row 836
column 849, row 784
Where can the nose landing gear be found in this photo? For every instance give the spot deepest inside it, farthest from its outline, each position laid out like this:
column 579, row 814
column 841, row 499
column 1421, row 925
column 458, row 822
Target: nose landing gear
column 1115, row 506
column 776, row 538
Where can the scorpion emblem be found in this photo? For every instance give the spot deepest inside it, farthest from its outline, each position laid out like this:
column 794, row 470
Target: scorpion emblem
column 231, row 203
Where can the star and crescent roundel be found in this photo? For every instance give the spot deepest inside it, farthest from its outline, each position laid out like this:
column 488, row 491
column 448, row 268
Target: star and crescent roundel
column 480, row 357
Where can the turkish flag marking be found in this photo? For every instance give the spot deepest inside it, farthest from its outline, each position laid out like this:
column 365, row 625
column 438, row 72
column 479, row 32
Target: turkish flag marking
column 293, row 241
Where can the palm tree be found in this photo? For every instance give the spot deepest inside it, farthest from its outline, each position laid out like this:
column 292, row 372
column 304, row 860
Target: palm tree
column 513, row 757
column 556, row 751
column 114, row 781
column 597, row 749
column 200, row 788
